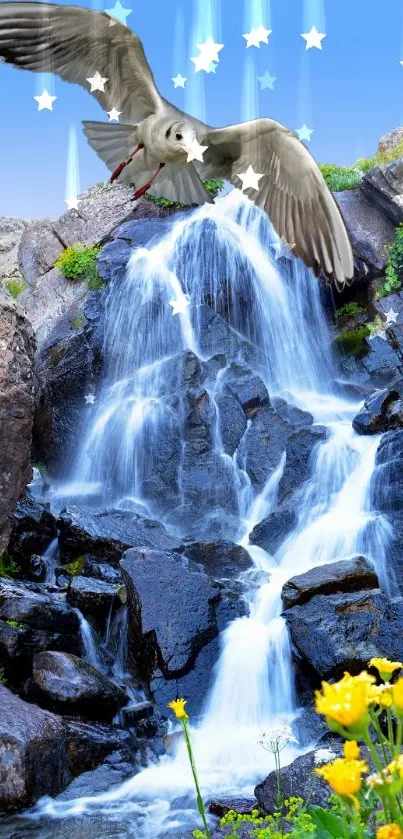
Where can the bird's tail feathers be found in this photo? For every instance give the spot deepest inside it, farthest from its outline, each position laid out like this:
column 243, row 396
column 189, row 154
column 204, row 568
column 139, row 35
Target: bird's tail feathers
column 113, row 142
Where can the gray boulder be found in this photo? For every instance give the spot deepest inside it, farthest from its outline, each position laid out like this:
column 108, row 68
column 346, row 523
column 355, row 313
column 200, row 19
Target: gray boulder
column 298, row 780
column 32, row 752
column 369, row 231
column 383, row 185
column 222, row 560
column 33, row 528
column 340, row 632
column 272, row 531
column 107, row 535
column 383, row 411
column 17, row 347
column 176, row 612
column 96, row 599
column 66, row 684
column 348, row 575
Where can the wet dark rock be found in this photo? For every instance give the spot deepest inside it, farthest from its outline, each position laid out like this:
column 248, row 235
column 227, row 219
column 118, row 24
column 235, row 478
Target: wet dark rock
column 90, row 743
column 232, row 421
column 17, row 350
column 31, row 619
column 247, row 387
column 94, row 598
column 111, row 773
column 383, row 411
column 176, row 619
column 272, row 531
column 383, row 185
column 221, row 806
column 269, row 434
column 175, row 614
column 207, row 483
column 67, row 369
column 382, row 362
column 298, row 780
column 68, row 685
column 107, row 535
column 102, row 571
column 32, row 752
column 342, row 632
column 32, row 605
column 369, row 231
column 387, row 487
column 300, row 451
column 348, row 575
column 199, row 423
column 217, row 337
column 33, row 527
column 219, row 559
column 36, row 569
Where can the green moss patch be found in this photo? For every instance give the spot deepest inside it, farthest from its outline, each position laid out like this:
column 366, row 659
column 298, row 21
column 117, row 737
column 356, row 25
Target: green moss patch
column 79, row 263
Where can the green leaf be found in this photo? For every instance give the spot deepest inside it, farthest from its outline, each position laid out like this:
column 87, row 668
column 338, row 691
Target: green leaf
column 328, row 825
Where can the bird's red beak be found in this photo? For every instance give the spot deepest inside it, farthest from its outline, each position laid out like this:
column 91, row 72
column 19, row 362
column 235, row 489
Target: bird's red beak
column 125, row 163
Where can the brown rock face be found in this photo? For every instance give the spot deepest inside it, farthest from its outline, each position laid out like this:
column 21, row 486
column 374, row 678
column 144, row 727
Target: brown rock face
column 17, row 346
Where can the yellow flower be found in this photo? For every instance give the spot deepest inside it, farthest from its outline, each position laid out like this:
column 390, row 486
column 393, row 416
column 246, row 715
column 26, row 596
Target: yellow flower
column 380, row 695
column 389, row 831
column 344, row 776
column 178, row 707
column 345, row 702
column 396, row 766
column 385, row 667
column 351, row 750
column 397, row 695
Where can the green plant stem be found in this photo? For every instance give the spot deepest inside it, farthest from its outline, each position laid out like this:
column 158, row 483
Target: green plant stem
column 375, row 757
column 378, row 730
column 279, row 801
column 200, row 803
column 391, row 739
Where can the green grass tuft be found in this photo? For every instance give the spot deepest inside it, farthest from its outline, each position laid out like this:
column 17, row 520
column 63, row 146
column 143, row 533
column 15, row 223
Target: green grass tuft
column 78, row 322
column 79, row 263
column 15, row 286
column 394, row 266
column 352, row 341
column 213, row 187
column 339, row 178
column 76, row 566
column 8, row 566
column 351, row 308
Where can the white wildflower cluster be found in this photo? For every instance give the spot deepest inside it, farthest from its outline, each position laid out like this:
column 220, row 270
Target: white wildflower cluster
column 277, row 738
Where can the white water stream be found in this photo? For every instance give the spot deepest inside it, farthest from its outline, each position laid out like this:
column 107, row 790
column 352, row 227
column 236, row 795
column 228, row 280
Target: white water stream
column 225, row 252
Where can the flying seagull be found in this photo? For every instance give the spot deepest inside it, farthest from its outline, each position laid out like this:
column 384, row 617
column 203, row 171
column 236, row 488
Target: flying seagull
column 154, row 138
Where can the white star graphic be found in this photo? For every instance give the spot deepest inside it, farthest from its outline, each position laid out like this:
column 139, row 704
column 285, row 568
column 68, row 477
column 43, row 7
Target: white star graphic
column 313, row 38
column 401, row 62
column 201, row 62
column 250, row 179
column 90, row 399
column 195, row 151
column 45, row 100
column 391, row 316
column 256, row 36
column 97, row 82
column 114, row 114
column 72, row 203
column 179, row 306
column 118, row 14
column 179, row 80
column 210, row 49
column 267, row 81
column 304, row 133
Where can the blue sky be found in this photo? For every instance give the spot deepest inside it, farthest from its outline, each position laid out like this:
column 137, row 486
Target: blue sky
column 350, row 93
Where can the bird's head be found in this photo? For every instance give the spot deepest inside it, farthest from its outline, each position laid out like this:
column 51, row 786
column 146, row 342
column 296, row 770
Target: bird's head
column 179, row 138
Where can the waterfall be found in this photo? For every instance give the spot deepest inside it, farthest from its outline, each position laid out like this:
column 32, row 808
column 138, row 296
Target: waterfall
column 224, row 258
column 90, row 643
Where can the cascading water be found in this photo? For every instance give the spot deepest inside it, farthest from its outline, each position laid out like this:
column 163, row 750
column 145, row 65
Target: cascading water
column 220, row 256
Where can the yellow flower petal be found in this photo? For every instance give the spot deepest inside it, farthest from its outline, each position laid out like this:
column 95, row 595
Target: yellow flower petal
column 397, row 695
column 178, row 707
column 351, row 750
column 389, row 831
column 385, row 667
column 345, row 702
column 344, row 776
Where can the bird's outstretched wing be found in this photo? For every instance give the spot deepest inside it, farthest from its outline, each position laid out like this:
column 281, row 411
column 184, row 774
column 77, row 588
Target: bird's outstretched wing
column 77, row 43
column 292, row 191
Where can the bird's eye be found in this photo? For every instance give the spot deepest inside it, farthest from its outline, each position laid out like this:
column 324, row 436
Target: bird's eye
column 179, row 137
